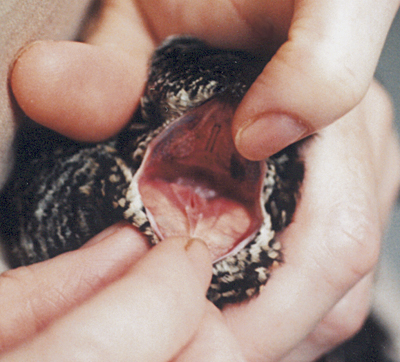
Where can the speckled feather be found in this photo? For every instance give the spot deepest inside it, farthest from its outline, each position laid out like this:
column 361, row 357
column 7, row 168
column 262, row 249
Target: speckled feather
column 63, row 192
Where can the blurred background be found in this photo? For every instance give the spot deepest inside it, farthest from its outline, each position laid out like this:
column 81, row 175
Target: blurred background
column 387, row 291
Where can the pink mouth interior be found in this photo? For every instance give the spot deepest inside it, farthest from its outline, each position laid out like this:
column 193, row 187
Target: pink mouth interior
column 194, row 183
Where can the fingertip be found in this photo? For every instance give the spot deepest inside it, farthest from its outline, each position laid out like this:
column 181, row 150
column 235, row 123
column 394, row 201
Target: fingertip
column 315, row 76
column 82, row 91
column 268, row 134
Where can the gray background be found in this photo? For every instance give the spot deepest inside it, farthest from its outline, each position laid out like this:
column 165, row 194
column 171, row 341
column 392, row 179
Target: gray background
column 387, row 291
column 388, row 73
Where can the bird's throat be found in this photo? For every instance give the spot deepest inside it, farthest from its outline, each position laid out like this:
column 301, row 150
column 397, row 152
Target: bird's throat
column 193, row 182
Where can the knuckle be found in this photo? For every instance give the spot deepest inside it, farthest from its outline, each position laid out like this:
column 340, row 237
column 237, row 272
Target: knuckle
column 16, row 279
column 357, row 239
column 339, row 85
column 325, row 77
column 346, row 318
column 15, row 286
column 338, row 327
column 346, row 322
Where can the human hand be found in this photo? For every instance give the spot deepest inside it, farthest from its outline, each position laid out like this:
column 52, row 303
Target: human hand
column 321, row 294
column 281, row 337
column 76, row 306
column 102, row 303
column 327, row 54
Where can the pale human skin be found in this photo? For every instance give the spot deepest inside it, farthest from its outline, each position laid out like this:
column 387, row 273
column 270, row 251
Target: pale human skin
column 116, row 296
column 55, row 19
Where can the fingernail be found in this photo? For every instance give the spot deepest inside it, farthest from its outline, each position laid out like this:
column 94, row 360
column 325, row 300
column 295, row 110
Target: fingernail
column 198, row 253
column 268, row 135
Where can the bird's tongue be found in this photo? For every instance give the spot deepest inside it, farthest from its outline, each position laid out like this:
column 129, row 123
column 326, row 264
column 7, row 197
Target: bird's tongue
column 193, row 182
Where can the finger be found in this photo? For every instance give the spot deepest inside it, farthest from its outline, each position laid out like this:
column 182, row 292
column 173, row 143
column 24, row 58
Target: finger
column 341, row 323
column 317, row 76
column 213, row 341
column 118, row 24
column 331, row 244
column 34, row 296
column 148, row 315
column 253, row 25
column 84, row 91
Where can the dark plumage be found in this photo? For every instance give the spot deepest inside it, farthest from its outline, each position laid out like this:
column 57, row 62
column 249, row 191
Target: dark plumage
column 63, row 193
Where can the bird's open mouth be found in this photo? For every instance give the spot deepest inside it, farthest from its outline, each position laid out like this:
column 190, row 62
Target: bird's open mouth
column 173, row 171
column 193, row 182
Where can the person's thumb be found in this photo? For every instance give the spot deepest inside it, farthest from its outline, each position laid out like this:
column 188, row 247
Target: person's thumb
column 317, row 76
